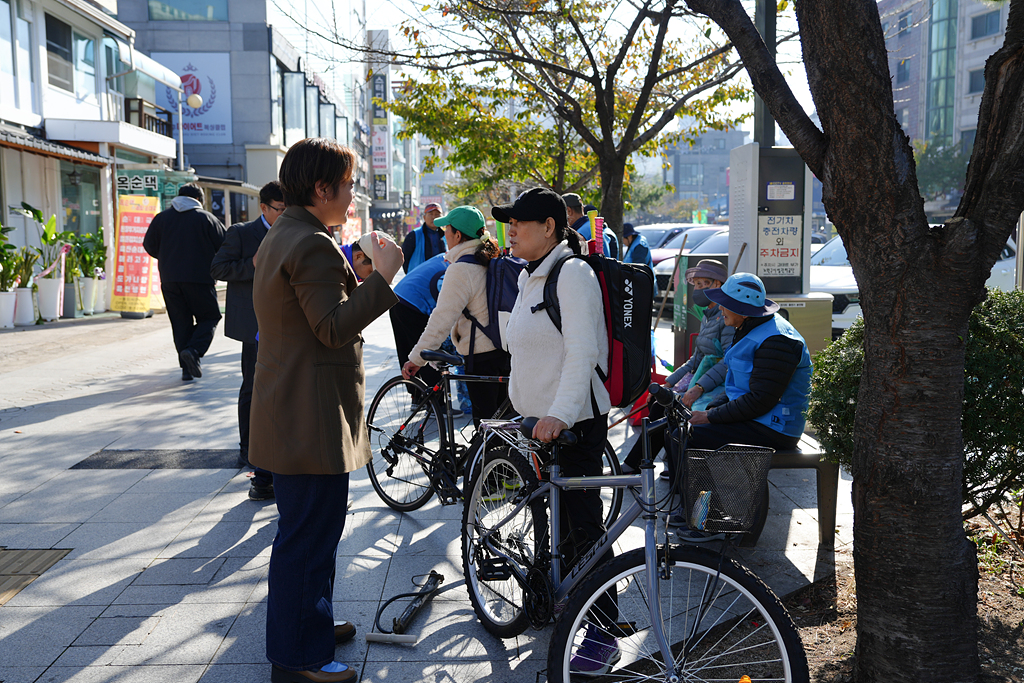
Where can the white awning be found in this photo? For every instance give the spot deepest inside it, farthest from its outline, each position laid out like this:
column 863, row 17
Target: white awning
column 137, row 61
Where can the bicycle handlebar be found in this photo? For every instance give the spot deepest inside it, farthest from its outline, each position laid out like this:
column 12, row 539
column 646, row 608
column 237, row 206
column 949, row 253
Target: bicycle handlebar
column 666, row 397
column 566, row 438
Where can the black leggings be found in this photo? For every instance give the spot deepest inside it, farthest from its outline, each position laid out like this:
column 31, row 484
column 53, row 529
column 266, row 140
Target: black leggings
column 487, row 397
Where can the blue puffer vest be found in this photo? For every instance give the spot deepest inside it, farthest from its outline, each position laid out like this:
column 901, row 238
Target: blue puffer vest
column 787, row 416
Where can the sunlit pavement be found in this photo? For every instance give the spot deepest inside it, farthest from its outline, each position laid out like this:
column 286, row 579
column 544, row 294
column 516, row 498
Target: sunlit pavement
column 166, row 575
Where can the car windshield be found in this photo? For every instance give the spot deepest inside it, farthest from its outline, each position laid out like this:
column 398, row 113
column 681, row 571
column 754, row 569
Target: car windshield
column 696, row 236
column 832, row 254
column 653, row 235
column 716, row 244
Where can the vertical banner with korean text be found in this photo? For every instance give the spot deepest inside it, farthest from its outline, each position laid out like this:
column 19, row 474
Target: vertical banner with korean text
column 133, row 267
column 380, row 139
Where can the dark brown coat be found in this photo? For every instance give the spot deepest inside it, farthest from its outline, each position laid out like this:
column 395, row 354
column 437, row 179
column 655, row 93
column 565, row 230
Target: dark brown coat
column 307, row 401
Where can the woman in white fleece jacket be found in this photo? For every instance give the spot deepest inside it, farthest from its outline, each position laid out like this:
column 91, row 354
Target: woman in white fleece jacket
column 554, row 374
column 465, row 288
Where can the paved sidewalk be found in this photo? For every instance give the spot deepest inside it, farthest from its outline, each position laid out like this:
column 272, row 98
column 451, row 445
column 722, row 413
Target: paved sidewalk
column 166, row 575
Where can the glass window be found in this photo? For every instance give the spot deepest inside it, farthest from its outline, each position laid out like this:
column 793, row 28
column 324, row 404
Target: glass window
column 312, row 111
column 23, row 50
column 904, row 117
column 985, row 25
column 81, row 201
column 6, row 46
column 904, row 25
column 977, row 81
column 59, row 58
column 188, row 10
column 276, row 102
column 903, row 71
column 294, row 107
column 327, row 121
column 341, row 130
column 85, row 65
column 967, row 140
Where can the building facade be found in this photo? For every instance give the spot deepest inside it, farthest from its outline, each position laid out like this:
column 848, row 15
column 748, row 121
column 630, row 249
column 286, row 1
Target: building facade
column 260, row 93
column 76, row 104
column 700, row 171
column 937, row 52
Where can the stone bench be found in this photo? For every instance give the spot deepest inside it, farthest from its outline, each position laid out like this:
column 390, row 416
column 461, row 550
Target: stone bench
column 809, row 455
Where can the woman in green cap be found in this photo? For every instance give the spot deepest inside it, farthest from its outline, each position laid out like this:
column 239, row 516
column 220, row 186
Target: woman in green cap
column 464, row 289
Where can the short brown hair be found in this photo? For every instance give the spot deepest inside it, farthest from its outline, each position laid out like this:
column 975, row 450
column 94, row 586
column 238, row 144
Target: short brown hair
column 311, row 161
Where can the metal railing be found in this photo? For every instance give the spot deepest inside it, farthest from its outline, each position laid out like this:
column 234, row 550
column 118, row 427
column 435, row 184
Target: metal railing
column 143, row 114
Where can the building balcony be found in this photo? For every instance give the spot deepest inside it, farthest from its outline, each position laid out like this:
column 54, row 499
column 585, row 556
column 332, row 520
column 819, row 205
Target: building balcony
column 131, row 123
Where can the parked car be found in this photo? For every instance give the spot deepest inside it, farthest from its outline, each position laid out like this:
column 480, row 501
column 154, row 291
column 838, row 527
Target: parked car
column 657, row 234
column 694, row 236
column 831, row 272
column 717, row 243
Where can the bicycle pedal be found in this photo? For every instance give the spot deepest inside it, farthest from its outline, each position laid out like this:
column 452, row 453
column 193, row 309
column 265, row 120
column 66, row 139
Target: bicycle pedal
column 449, row 496
column 494, row 569
column 622, row 629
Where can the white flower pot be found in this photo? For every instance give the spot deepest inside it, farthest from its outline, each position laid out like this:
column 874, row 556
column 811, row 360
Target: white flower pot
column 50, row 290
column 100, row 304
column 88, row 295
column 8, row 302
column 24, row 310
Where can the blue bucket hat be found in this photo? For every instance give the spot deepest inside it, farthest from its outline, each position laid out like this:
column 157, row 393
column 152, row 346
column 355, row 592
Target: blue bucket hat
column 743, row 293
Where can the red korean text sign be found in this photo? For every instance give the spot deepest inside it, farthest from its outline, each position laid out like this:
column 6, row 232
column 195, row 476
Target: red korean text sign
column 133, row 267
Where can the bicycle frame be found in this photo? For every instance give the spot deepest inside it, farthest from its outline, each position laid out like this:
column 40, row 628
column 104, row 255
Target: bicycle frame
column 553, row 488
column 442, row 387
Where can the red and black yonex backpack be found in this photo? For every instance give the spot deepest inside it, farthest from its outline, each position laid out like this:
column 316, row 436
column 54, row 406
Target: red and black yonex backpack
column 627, row 290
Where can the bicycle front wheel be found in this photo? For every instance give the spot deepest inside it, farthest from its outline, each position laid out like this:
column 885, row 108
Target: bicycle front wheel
column 720, row 626
column 406, row 435
column 490, row 565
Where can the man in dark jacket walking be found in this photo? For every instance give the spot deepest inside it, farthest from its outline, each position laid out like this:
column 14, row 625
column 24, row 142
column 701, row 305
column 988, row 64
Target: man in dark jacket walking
column 183, row 240
column 235, row 264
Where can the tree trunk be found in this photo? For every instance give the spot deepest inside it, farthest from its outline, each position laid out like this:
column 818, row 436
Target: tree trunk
column 613, row 172
column 916, row 571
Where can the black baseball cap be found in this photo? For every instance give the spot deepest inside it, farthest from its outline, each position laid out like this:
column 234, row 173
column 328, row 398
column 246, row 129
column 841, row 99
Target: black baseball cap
column 537, row 204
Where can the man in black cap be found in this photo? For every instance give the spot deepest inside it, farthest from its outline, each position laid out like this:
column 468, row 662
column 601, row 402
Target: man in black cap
column 576, row 213
column 637, row 249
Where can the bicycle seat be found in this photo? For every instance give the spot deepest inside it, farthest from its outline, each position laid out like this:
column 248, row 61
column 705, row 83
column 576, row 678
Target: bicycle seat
column 441, row 357
column 566, row 438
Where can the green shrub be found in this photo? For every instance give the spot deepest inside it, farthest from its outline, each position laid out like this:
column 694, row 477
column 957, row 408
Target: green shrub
column 993, row 411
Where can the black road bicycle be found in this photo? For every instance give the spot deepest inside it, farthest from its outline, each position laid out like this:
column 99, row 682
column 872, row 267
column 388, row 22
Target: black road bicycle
column 415, row 445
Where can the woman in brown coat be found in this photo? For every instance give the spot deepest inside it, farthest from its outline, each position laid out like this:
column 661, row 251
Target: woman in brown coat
column 308, row 427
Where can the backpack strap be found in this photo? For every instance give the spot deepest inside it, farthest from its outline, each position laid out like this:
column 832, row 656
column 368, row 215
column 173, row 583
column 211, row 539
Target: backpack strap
column 550, row 304
column 470, row 258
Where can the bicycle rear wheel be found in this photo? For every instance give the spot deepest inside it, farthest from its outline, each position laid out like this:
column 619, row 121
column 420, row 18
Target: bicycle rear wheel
column 406, row 435
column 611, row 498
column 720, row 626
column 498, row 597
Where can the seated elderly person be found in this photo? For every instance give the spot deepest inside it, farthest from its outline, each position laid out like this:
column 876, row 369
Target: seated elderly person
column 768, row 376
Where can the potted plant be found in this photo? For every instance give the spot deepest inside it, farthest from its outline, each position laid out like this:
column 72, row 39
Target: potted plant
column 8, row 279
column 24, row 309
column 91, row 253
column 53, row 246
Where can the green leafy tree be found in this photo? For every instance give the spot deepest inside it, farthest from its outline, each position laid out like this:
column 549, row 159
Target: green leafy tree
column 916, row 570
column 591, row 81
column 940, row 170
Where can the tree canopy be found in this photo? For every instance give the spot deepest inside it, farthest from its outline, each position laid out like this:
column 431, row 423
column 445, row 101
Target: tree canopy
column 587, row 85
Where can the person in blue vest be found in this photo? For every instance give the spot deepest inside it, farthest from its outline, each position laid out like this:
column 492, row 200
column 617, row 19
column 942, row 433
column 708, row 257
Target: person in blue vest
column 576, row 213
column 767, row 381
column 425, row 241
column 358, row 255
column 637, row 249
column 417, row 294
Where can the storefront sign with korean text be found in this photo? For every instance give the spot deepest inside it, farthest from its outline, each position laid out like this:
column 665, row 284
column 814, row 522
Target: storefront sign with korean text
column 779, row 246
column 133, row 267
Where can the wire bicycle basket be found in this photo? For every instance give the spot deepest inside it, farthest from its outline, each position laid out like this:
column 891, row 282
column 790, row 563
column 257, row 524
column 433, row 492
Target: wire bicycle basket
column 723, row 487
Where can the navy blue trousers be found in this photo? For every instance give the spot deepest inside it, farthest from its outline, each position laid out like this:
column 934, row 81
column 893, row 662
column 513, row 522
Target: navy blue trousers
column 300, row 616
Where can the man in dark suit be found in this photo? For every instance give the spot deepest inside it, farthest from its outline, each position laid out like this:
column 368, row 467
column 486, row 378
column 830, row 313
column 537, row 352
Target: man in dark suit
column 183, row 240
column 236, row 265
